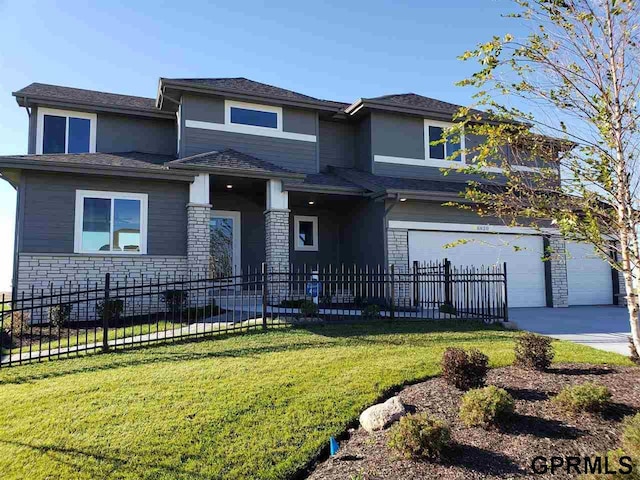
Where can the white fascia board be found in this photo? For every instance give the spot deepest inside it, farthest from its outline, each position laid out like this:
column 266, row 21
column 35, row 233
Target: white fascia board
column 468, row 227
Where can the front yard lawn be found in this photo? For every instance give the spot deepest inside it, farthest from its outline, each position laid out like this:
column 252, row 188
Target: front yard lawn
column 258, row 405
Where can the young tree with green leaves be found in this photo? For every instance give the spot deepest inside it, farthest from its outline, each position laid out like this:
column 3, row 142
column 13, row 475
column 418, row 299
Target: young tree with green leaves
column 565, row 100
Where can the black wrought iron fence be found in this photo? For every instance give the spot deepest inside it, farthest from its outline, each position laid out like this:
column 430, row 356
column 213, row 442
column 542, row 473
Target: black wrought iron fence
column 121, row 312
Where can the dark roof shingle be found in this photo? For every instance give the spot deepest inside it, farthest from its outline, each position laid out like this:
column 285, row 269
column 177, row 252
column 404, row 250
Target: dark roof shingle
column 119, row 160
column 245, row 85
column 231, row 160
column 420, row 102
column 87, row 97
column 379, row 183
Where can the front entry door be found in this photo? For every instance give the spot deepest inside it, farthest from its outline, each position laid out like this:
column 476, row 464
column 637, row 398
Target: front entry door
column 224, row 234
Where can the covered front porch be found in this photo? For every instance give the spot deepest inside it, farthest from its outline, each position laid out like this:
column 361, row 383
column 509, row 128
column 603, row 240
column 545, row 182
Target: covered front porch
column 237, row 223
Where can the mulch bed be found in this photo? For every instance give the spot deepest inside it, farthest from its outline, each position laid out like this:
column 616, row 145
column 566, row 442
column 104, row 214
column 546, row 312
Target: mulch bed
column 537, row 428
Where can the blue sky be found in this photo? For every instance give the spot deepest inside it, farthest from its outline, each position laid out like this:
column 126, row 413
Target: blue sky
column 338, row 50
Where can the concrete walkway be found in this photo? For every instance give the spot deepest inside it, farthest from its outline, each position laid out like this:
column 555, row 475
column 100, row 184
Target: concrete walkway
column 605, row 328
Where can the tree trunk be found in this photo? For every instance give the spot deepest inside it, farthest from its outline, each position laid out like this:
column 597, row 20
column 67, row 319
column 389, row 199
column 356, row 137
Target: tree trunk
column 633, row 305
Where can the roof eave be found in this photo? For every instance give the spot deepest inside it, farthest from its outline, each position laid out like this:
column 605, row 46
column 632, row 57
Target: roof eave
column 234, row 172
column 300, row 187
column 27, row 101
column 33, row 164
column 327, row 106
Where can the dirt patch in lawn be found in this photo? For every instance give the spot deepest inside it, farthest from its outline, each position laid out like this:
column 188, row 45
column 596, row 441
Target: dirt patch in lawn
column 536, row 429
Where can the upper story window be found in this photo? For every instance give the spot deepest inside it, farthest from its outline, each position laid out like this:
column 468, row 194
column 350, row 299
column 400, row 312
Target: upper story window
column 449, row 151
column 62, row 131
column 110, row 222
column 253, row 115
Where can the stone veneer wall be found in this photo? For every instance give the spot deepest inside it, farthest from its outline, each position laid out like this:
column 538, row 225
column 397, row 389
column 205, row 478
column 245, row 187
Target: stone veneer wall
column 558, row 265
column 398, row 256
column 198, row 239
column 71, row 272
column 277, row 250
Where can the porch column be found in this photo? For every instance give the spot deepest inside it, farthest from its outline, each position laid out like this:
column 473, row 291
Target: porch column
column 198, row 216
column 398, row 256
column 276, row 223
column 556, row 271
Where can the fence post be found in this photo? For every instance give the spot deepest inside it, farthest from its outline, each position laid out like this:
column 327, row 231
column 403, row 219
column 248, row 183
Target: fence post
column 393, row 292
column 264, row 295
column 106, row 313
column 506, row 302
column 416, row 292
column 447, row 282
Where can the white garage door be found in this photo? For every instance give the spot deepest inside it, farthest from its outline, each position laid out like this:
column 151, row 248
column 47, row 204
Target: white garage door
column 588, row 276
column 523, row 254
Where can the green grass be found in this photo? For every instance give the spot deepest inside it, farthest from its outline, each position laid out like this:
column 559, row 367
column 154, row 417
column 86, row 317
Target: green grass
column 258, row 405
column 92, row 335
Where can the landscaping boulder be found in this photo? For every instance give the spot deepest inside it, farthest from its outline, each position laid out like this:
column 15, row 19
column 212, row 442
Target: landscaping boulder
column 382, row 415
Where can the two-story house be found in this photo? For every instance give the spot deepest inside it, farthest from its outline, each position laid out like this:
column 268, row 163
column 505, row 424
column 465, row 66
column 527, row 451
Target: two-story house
column 227, row 173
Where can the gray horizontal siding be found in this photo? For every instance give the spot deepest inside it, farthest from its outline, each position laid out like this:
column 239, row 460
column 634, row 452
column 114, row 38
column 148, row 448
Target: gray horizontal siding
column 291, row 154
column 397, row 135
column 363, row 154
column 417, row 211
column 336, row 144
column 49, row 211
column 417, row 171
column 211, row 109
column 296, row 120
column 120, row 133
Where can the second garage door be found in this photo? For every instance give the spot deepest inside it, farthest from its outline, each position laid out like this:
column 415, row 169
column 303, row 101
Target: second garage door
column 588, row 276
column 523, row 254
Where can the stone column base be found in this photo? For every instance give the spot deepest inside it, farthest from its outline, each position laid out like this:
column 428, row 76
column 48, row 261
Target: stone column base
column 198, row 240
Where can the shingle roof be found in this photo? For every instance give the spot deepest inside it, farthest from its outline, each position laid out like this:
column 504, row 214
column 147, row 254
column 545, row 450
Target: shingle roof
column 328, row 179
column 244, row 85
column 123, row 160
column 87, row 97
column 231, row 160
column 413, row 100
column 380, row 184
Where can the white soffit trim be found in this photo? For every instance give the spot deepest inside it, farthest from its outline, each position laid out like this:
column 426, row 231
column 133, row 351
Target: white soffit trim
column 421, row 162
column 249, row 130
column 467, row 227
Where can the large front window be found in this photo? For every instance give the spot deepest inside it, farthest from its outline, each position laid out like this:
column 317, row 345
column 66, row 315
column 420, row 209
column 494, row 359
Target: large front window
column 60, row 131
column 110, row 222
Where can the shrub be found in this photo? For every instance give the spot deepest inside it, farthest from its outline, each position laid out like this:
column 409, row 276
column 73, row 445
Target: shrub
column 635, row 358
column 175, row 300
column 448, row 308
column 484, row 407
column 419, row 436
column 463, row 370
column 59, row 315
column 115, row 309
column 533, row 352
column 16, row 323
column 631, row 436
column 587, row 397
column 371, row 311
column 308, row 308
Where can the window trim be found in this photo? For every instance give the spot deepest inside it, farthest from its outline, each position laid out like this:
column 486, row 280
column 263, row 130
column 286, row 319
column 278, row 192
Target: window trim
column 79, row 214
column 42, row 111
column 229, row 104
column 436, row 161
column 296, row 233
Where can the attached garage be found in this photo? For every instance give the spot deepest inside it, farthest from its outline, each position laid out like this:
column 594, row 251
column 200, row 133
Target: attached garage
column 522, row 253
column 589, row 277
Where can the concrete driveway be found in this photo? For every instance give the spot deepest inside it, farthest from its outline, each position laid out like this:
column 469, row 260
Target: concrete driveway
column 606, row 328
